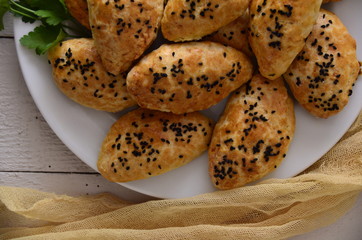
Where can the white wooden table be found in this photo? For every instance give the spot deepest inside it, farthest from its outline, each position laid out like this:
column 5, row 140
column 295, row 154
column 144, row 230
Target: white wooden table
column 32, row 156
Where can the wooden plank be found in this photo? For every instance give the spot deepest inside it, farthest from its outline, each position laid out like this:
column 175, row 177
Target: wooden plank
column 8, row 23
column 26, row 141
column 69, row 184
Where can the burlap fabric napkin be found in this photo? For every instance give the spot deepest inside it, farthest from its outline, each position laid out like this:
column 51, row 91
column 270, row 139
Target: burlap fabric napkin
column 273, row 209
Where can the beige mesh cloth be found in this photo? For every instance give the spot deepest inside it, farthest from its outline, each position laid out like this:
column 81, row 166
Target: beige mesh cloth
column 273, row 209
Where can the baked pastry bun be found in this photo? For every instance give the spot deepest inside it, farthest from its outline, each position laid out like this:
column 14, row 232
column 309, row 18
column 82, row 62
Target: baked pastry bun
column 235, row 34
column 322, row 75
column 278, row 29
column 188, row 77
column 79, row 74
column 79, row 10
column 145, row 143
column 123, row 30
column 253, row 134
column 192, row 20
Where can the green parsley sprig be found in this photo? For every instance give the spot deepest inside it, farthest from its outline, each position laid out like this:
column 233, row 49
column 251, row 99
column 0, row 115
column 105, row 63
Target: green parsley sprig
column 56, row 23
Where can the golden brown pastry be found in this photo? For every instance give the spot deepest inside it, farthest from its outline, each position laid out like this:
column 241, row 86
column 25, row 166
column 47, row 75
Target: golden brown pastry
column 123, row 30
column 322, row 75
column 79, row 10
column 188, row 77
column 278, row 32
column 191, row 20
column 79, row 74
column 235, row 34
column 253, row 134
column 145, row 143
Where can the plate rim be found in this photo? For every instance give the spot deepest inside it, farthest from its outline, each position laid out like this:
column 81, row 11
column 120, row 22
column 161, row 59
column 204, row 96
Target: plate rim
column 62, row 136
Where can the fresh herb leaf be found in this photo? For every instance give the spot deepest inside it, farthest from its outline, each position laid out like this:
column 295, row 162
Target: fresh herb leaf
column 4, row 7
column 51, row 17
column 56, row 22
column 63, row 3
column 27, row 19
column 43, row 38
column 22, row 9
column 56, row 6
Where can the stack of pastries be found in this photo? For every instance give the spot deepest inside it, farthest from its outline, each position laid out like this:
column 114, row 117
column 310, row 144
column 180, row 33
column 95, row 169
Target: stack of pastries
column 250, row 50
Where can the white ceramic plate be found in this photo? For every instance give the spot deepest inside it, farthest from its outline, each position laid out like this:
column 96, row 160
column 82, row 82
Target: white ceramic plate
column 83, row 129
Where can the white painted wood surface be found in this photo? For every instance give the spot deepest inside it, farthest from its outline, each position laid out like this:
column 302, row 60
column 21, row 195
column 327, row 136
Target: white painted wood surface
column 31, row 155
column 8, row 31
